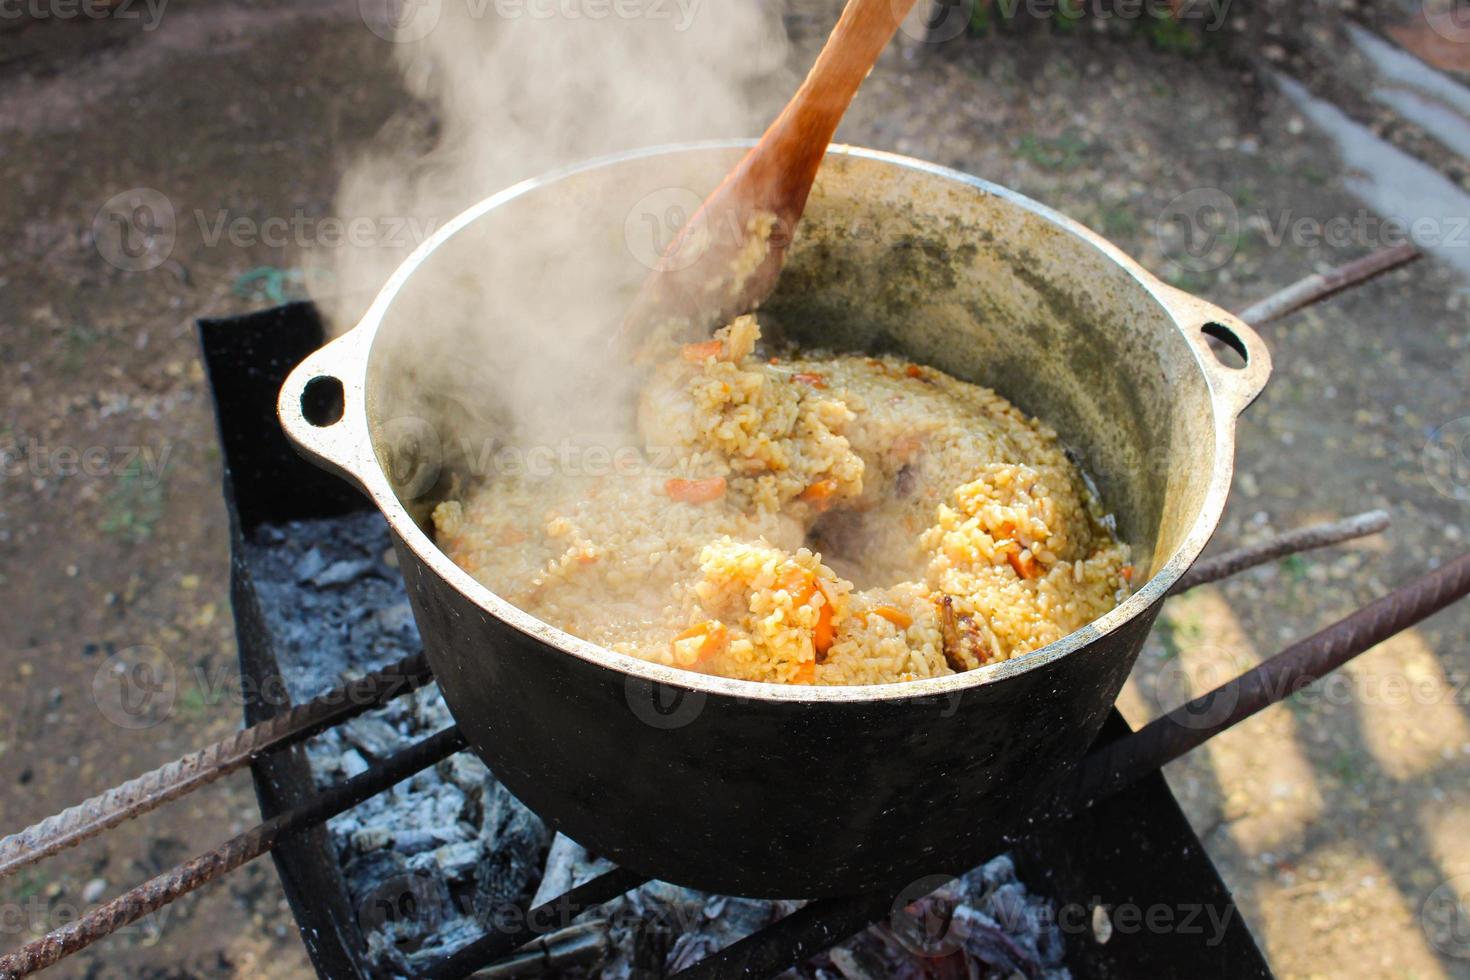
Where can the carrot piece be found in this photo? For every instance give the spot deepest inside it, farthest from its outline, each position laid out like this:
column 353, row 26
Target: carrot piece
column 806, row 673
column 1024, row 565
column 822, row 635
column 810, row 378
column 1127, row 572
column 696, row 491
column 895, row 616
column 914, row 371
column 703, row 351
column 712, row 637
column 802, row 585
column 819, row 494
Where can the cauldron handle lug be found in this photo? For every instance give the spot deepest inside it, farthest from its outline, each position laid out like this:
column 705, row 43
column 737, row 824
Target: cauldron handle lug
column 1233, row 386
column 320, row 409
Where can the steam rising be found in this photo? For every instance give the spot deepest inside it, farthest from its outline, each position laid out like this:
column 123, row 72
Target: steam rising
column 515, row 88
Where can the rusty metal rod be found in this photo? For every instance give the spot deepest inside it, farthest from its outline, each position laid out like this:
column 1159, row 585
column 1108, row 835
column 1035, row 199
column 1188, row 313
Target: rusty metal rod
column 179, row 881
column 184, row 775
column 1315, row 536
column 546, row 917
column 1114, row 766
column 1317, row 287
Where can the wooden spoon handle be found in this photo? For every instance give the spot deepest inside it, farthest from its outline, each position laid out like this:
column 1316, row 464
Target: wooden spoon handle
column 708, row 273
column 784, row 163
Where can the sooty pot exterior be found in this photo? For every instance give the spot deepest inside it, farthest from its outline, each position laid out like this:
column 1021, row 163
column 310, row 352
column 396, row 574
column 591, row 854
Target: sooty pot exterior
column 774, row 790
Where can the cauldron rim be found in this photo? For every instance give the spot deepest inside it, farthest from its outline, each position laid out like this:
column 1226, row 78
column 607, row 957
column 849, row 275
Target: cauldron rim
column 346, row 449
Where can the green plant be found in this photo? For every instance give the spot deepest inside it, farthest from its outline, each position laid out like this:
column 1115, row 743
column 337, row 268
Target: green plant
column 1295, row 567
column 1060, row 153
column 1067, row 16
column 1168, row 34
column 135, row 505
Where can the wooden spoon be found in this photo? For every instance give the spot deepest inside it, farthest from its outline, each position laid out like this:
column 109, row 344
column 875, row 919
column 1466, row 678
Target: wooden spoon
column 724, row 261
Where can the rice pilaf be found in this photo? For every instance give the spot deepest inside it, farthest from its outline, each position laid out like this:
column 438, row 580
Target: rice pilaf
column 826, row 519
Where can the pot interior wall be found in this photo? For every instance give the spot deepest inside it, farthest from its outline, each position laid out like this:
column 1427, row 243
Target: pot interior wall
column 489, row 340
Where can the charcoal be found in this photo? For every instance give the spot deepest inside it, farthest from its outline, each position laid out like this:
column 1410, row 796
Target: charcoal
column 417, row 840
column 386, row 958
column 453, row 933
column 722, row 921
column 567, row 865
column 404, row 903
column 516, row 844
column 353, row 764
column 309, row 566
column 396, row 619
column 375, row 737
column 988, row 942
column 371, row 838
column 456, row 862
column 467, row 772
column 430, row 712
column 340, row 573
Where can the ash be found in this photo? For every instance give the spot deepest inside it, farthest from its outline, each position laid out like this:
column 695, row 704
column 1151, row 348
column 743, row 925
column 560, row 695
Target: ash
column 449, row 855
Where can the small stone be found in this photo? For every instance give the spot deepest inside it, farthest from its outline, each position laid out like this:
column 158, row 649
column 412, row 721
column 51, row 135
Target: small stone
column 93, row 890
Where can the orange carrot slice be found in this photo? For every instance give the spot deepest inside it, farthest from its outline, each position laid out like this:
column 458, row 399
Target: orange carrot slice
column 895, row 616
column 1024, row 565
column 696, row 491
column 703, row 351
column 700, row 642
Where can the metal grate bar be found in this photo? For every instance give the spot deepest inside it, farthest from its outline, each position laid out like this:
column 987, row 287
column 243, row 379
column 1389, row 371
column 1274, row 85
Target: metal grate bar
column 184, row 775
column 185, row 878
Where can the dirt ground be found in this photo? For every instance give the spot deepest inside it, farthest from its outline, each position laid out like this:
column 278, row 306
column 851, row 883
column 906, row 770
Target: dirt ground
column 1338, row 818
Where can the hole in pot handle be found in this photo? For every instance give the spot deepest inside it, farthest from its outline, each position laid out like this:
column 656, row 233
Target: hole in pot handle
column 316, row 407
column 321, row 401
column 1228, row 339
column 1238, row 363
column 1235, row 383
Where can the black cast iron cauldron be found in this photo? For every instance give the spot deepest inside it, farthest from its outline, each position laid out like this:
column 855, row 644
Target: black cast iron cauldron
column 759, row 789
